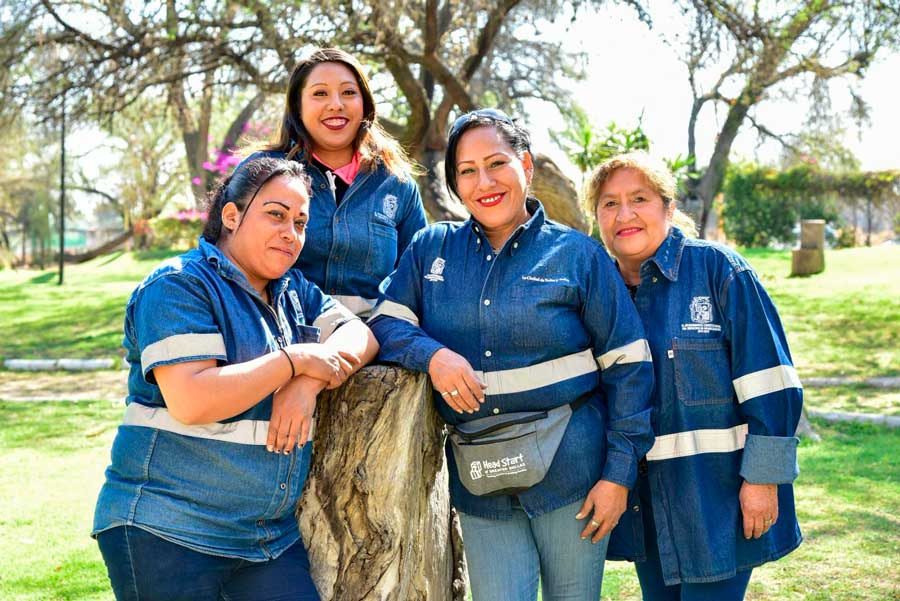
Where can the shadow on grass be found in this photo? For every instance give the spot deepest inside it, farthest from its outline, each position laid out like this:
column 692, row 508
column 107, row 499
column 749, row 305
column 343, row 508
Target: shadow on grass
column 44, row 278
column 107, row 259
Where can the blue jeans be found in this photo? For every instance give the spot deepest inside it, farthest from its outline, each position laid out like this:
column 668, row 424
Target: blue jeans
column 145, row 567
column 649, row 572
column 506, row 558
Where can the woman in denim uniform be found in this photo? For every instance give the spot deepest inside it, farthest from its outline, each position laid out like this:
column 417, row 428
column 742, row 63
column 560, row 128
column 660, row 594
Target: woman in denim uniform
column 511, row 312
column 714, row 498
column 365, row 205
column 228, row 349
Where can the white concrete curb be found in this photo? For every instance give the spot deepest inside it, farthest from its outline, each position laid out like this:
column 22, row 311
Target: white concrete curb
column 59, row 364
column 891, row 421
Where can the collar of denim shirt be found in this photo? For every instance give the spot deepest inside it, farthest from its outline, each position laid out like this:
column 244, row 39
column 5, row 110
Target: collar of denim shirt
column 523, row 234
column 229, row 271
column 668, row 255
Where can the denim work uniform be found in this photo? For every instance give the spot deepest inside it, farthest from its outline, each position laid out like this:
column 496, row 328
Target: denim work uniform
column 542, row 322
column 725, row 409
column 354, row 245
column 213, row 488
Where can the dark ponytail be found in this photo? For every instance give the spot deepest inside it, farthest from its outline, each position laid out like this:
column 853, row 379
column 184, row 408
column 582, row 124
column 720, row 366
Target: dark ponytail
column 242, row 186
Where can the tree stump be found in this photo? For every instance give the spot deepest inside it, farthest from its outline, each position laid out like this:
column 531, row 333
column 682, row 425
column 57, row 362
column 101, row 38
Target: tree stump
column 376, row 515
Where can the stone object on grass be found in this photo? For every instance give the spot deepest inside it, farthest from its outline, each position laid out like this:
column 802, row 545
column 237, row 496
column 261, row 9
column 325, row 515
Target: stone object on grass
column 810, row 257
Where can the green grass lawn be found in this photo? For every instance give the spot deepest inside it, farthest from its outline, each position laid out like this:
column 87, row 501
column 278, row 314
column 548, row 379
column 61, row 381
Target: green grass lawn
column 52, row 457
column 844, row 321
column 81, row 318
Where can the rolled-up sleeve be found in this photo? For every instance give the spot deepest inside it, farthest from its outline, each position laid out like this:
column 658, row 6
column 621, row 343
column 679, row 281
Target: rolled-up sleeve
column 766, row 385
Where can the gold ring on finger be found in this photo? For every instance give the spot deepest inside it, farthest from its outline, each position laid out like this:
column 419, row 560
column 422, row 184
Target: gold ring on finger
column 595, row 524
column 454, row 393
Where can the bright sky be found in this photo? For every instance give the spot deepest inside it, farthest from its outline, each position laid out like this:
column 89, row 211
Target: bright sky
column 631, row 70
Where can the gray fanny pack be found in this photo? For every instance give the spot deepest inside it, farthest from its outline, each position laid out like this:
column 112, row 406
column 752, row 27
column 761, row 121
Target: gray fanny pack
column 506, row 454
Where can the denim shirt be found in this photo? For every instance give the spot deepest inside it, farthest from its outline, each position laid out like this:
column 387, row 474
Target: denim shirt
column 213, row 488
column 542, row 322
column 725, row 409
column 353, row 246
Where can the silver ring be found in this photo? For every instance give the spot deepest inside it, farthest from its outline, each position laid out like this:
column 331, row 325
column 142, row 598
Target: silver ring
column 595, row 524
column 445, row 393
column 454, row 393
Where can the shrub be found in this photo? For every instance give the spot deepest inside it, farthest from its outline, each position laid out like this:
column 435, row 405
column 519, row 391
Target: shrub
column 178, row 231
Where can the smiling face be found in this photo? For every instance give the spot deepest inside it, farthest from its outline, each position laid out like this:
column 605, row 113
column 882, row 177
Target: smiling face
column 492, row 180
column 331, row 108
column 265, row 240
column 632, row 216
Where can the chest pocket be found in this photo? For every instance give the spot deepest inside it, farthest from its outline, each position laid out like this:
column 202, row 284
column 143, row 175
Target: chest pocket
column 539, row 313
column 382, row 255
column 702, row 371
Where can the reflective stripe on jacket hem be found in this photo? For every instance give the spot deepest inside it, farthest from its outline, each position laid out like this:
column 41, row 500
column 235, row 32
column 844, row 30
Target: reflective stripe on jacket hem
column 521, row 379
column 247, row 431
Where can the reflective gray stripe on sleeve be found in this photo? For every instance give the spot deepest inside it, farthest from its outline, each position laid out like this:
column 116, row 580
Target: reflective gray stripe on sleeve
column 182, row 346
column 359, row 305
column 246, row 431
column 521, row 379
column 392, row 309
column 328, row 321
column 765, row 381
column 695, row 442
column 633, row 352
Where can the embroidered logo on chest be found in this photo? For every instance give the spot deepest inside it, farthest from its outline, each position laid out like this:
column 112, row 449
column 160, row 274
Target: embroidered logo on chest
column 390, row 206
column 701, row 316
column 437, row 270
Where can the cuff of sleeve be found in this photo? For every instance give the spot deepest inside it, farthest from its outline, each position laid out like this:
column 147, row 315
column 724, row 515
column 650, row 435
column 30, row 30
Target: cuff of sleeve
column 421, row 353
column 770, row 459
column 620, row 468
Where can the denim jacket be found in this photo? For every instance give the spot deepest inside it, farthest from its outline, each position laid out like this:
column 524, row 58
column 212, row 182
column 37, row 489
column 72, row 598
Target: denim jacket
column 725, row 409
column 213, row 488
column 353, row 246
column 542, row 322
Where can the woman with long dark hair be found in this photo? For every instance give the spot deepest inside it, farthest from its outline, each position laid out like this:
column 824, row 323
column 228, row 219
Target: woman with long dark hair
column 365, row 205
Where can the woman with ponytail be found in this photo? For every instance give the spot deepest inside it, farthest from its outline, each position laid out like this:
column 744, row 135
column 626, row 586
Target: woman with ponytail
column 228, row 349
column 365, row 206
column 714, row 496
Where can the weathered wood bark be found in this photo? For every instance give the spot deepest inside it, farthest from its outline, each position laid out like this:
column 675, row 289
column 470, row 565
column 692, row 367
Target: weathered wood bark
column 558, row 194
column 376, row 512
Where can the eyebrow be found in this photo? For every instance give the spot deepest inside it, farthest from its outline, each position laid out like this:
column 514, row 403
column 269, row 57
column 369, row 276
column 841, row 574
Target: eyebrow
column 490, row 156
column 323, row 83
column 286, row 207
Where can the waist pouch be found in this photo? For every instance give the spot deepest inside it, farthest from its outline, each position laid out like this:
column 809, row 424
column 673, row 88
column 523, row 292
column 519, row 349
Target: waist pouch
column 506, row 454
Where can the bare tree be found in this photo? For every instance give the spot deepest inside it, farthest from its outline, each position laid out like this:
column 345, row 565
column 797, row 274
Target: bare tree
column 435, row 58
column 740, row 54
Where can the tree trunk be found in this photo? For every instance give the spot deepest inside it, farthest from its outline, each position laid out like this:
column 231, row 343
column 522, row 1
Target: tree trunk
column 558, row 194
column 103, row 249
column 437, row 201
column 375, row 515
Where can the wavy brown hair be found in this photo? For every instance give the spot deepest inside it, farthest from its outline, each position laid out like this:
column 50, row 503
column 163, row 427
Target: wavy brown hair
column 657, row 174
column 372, row 142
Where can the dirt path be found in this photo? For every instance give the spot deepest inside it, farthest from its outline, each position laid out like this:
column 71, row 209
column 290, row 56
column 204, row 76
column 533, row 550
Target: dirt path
column 63, row 386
